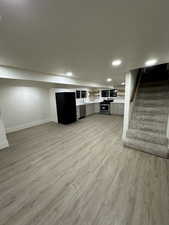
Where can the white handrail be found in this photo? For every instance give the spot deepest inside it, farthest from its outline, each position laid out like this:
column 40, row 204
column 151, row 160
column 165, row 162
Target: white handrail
column 167, row 132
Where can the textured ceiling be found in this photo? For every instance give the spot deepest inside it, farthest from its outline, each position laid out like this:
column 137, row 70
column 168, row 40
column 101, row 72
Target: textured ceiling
column 83, row 36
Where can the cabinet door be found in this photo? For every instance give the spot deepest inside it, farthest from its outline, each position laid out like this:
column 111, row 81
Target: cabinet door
column 97, row 107
column 82, row 111
column 90, row 109
column 77, row 94
column 117, row 108
column 83, row 94
column 113, row 93
column 105, row 93
column 78, row 112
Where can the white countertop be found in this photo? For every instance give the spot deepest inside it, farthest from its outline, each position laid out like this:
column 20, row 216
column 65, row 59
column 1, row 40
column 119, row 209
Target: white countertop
column 118, row 101
column 88, row 102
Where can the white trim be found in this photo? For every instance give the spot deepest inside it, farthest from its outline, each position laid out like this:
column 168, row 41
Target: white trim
column 127, row 104
column 27, row 125
column 4, row 145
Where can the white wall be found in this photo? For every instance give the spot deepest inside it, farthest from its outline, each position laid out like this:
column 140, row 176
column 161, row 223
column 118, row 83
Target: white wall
column 3, row 138
column 130, row 81
column 24, row 104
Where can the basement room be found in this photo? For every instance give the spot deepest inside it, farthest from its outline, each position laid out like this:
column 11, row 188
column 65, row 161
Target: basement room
column 84, row 112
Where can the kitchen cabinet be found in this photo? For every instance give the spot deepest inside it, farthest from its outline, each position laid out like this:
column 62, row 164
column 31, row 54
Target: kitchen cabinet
column 82, row 110
column 83, row 94
column 77, row 94
column 90, row 109
column 97, row 107
column 105, row 93
column 117, row 108
column 113, row 93
column 78, row 112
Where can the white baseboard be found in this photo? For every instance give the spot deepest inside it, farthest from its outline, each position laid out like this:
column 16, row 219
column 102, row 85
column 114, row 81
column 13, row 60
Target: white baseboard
column 27, row 125
column 4, row 145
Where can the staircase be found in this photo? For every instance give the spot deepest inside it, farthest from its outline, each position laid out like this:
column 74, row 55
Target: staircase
column 149, row 118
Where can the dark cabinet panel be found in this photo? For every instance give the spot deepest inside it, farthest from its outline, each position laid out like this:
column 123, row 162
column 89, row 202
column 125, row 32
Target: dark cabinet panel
column 83, row 94
column 77, row 94
column 105, row 93
column 66, row 107
column 113, row 93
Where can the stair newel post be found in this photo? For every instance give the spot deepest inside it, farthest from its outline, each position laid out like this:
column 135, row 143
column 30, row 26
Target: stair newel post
column 167, row 133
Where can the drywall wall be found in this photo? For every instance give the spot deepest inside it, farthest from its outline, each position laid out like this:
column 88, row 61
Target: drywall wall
column 3, row 138
column 130, row 82
column 24, row 104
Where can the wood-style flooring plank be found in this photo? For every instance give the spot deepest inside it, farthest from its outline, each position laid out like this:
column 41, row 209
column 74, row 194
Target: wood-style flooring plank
column 81, row 174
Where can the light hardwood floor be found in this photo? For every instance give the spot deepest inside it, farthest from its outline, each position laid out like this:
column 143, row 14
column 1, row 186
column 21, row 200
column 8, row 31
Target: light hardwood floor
column 80, row 174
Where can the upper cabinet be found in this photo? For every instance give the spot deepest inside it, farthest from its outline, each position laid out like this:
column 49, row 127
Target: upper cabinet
column 77, row 94
column 105, row 93
column 109, row 93
column 81, row 94
column 113, row 93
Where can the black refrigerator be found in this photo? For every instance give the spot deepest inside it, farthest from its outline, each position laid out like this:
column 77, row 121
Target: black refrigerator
column 66, row 107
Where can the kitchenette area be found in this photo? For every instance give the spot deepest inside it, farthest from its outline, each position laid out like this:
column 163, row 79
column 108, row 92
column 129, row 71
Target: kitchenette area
column 70, row 105
column 105, row 102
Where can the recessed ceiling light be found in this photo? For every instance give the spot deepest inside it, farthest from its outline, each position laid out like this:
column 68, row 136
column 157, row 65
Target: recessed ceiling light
column 109, row 79
column 123, row 83
column 117, row 62
column 151, row 62
column 69, row 74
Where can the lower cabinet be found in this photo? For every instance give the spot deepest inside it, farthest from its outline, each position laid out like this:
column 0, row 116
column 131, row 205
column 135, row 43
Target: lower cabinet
column 90, row 109
column 117, row 108
column 82, row 109
column 78, row 112
column 97, row 107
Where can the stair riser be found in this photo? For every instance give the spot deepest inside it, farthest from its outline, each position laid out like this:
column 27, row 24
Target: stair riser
column 152, row 103
column 156, row 152
column 154, row 89
column 160, row 95
column 154, row 84
column 152, row 124
column 159, row 130
column 150, row 118
column 147, row 137
column 153, row 98
column 151, row 110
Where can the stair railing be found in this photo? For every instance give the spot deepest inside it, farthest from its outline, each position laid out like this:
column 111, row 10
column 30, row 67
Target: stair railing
column 136, row 88
column 135, row 92
column 167, row 132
